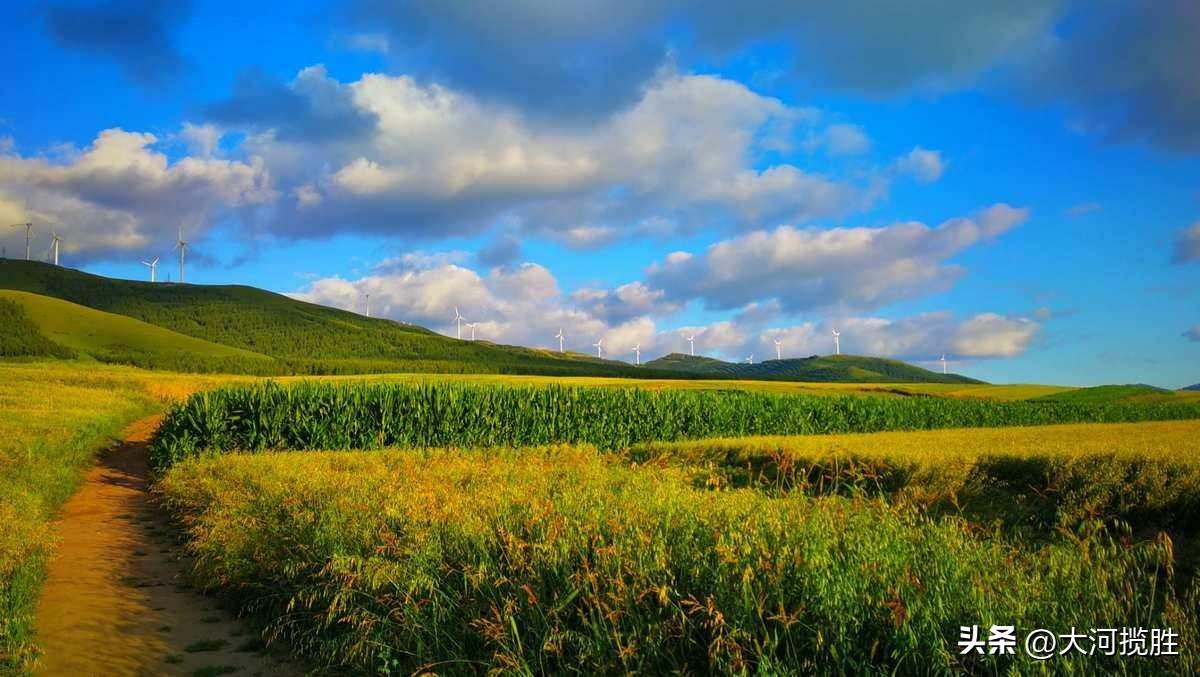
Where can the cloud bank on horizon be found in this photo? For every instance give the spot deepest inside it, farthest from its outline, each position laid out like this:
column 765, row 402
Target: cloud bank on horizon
column 736, row 150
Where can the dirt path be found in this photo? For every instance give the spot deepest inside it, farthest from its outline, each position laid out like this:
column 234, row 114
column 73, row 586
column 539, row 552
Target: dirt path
column 116, row 602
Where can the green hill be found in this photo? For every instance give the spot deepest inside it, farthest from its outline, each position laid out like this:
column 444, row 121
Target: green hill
column 301, row 337
column 1192, row 387
column 21, row 337
column 1133, row 392
column 847, row 368
column 81, row 331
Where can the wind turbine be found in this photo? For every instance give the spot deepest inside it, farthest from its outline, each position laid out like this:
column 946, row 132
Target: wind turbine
column 750, row 360
column 778, row 354
column 153, row 266
column 692, row 345
column 367, row 304
column 28, row 233
column 54, row 245
column 837, row 344
column 637, row 354
column 943, row 361
column 559, row 336
column 599, row 346
column 472, row 326
column 458, row 319
column 181, row 245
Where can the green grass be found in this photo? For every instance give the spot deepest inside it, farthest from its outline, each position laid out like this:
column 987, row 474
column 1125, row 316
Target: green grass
column 21, row 337
column 1122, row 393
column 559, row 560
column 374, row 415
column 119, row 339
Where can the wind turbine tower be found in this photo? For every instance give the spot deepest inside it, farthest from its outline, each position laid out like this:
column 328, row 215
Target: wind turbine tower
column 471, row 326
column 28, row 233
column 837, row 343
column 637, row 354
column 692, row 345
column 778, row 353
column 54, row 245
column 599, row 346
column 367, row 304
column 153, row 266
column 458, row 320
column 559, row 336
column 182, row 246
column 943, row 361
column 750, row 360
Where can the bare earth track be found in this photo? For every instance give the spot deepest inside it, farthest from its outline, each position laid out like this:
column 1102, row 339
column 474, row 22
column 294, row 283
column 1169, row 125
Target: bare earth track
column 116, row 600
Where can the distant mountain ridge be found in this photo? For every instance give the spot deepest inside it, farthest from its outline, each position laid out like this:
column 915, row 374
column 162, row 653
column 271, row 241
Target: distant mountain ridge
column 1192, row 387
column 826, row 368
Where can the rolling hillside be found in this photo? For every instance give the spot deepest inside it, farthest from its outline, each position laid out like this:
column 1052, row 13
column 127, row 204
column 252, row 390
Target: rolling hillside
column 301, row 337
column 242, row 329
column 1192, row 387
column 1134, row 392
column 849, row 368
column 83, row 331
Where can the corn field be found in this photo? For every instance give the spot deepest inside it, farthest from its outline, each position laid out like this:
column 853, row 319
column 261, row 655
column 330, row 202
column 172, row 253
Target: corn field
column 377, row 415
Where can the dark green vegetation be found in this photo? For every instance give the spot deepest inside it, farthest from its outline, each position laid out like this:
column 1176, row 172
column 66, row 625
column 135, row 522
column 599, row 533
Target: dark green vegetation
column 1137, row 392
column 844, row 368
column 551, row 561
column 298, row 337
column 374, row 415
column 20, row 337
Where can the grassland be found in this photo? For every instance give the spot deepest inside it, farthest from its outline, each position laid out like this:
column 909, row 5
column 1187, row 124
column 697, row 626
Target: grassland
column 374, row 415
column 53, row 420
column 559, row 559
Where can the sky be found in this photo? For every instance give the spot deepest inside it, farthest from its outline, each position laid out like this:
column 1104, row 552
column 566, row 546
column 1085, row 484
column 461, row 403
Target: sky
column 1014, row 185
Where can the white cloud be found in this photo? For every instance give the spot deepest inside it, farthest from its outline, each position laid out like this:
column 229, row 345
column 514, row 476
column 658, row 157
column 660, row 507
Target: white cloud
column 427, row 160
column 119, row 195
column 836, row 268
column 845, row 139
column 926, row 166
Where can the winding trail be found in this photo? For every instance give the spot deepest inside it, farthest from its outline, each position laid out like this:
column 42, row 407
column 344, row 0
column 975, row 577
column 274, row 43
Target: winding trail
column 116, row 600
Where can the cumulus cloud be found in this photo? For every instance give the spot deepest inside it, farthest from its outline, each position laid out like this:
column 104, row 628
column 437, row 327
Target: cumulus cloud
column 389, row 154
column 807, row 269
column 525, row 305
column 846, row 139
column 139, row 37
column 926, row 166
column 119, row 194
column 1187, row 244
column 624, row 303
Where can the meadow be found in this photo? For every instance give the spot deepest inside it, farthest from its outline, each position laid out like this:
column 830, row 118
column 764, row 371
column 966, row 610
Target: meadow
column 376, row 415
column 560, row 559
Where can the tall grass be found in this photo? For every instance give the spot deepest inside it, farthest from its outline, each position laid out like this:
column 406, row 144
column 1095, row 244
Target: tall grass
column 565, row 561
column 54, row 419
column 375, row 415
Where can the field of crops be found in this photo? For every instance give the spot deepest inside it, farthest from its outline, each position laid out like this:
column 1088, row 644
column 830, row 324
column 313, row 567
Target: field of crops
column 560, row 559
column 376, row 415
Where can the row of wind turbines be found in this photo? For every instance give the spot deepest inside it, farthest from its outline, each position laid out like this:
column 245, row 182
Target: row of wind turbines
column 460, row 321
column 55, row 241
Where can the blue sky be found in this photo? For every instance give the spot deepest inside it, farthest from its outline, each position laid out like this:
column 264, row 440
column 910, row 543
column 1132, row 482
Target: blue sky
column 1016, row 186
